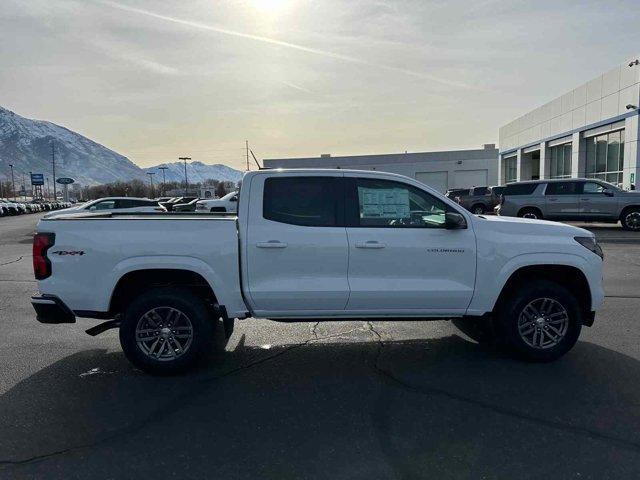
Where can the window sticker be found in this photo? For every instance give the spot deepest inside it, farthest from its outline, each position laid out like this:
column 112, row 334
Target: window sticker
column 384, row 203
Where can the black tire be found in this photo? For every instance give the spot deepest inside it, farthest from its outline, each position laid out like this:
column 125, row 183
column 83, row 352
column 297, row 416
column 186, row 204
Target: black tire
column 533, row 213
column 508, row 320
column 162, row 299
column 630, row 219
column 478, row 209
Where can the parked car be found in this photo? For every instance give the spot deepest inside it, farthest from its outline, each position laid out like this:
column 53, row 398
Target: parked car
column 228, row 203
column 121, row 204
column 169, row 204
column 189, row 206
column 456, row 192
column 478, row 200
column 11, row 207
column 312, row 245
column 572, row 199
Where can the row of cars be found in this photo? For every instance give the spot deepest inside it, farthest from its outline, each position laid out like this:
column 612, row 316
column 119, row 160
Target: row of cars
column 228, row 203
column 565, row 199
column 8, row 207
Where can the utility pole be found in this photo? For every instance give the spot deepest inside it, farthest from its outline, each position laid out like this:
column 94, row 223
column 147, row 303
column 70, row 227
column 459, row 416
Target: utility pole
column 246, row 143
column 151, row 174
column 53, row 162
column 164, row 179
column 13, row 182
column 24, row 188
column 186, row 181
column 48, row 192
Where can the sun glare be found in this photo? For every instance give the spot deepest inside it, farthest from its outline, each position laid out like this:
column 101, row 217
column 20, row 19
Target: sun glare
column 269, row 6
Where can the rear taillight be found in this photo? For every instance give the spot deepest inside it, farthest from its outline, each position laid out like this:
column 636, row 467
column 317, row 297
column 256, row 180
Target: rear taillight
column 41, row 264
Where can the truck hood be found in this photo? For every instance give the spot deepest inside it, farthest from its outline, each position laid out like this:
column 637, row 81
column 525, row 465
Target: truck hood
column 530, row 226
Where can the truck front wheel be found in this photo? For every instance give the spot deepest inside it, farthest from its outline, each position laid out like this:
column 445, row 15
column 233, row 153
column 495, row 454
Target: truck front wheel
column 166, row 330
column 541, row 321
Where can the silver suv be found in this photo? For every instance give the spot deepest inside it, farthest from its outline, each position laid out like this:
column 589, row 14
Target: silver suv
column 572, row 199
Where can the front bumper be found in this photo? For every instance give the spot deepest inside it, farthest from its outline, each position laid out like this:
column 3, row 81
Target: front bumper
column 50, row 309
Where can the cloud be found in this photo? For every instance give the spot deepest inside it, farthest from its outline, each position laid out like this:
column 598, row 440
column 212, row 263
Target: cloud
column 280, row 43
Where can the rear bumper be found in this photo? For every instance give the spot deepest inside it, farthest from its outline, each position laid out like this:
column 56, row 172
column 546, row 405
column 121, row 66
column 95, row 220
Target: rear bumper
column 50, row 309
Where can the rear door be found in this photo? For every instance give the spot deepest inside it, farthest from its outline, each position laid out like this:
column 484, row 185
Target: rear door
column 296, row 247
column 594, row 203
column 402, row 259
column 562, row 200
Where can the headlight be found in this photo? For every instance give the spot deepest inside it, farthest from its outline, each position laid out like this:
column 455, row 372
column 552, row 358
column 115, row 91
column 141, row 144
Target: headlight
column 590, row 243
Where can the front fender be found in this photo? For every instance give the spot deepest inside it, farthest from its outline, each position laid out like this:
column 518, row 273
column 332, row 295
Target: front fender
column 487, row 292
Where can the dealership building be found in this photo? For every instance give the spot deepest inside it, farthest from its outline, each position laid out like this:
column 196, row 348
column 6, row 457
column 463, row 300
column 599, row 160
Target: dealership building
column 440, row 170
column 591, row 131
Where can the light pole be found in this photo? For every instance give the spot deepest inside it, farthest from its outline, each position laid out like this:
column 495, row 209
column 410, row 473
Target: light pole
column 164, row 179
column 48, row 192
column 186, row 182
column 13, row 182
column 24, row 188
column 53, row 161
column 151, row 174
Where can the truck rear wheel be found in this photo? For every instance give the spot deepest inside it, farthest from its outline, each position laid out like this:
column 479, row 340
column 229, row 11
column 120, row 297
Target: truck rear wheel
column 540, row 322
column 166, row 330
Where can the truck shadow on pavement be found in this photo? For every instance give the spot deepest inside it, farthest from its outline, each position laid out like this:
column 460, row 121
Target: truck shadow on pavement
column 439, row 408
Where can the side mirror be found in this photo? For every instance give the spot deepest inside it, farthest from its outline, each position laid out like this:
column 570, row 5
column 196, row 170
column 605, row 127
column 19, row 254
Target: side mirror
column 454, row 221
column 92, row 208
column 233, row 199
column 608, row 193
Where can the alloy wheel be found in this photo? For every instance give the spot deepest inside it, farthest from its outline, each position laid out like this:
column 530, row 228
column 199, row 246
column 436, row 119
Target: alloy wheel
column 632, row 220
column 164, row 333
column 543, row 323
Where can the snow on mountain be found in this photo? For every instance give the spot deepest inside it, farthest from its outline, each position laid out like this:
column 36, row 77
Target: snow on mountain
column 197, row 172
column 26, row 144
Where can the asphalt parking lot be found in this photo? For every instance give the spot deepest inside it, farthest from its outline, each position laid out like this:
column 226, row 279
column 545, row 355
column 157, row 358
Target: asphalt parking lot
column 334, row 400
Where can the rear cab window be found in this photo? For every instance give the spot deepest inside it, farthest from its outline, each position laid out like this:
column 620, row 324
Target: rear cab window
column 305, row 201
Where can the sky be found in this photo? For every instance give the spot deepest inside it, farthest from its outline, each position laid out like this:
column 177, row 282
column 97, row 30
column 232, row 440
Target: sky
column 155, row 80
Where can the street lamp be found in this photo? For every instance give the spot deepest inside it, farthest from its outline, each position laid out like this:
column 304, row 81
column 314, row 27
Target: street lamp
column 186, row 182
column 151, row 174
column 13, row 182
column 164, row 180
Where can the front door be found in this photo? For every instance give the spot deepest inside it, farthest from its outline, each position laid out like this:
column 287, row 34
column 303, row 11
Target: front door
column 402, row 259
column 595, row 203
column 296, row 247
column 562, row 200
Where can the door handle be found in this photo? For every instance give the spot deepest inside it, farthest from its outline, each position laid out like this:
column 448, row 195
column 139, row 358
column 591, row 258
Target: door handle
column 584, row 199
column 271, row 244
column 370, row 244
column 552, row 199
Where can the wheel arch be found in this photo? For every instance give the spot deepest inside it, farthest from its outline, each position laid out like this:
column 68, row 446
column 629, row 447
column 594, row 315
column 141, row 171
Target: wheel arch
column 569, row 276
column 135, row 282
column 626, row 208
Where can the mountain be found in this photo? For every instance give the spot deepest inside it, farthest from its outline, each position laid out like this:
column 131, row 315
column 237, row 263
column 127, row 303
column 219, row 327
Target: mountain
column 26, row 144
column 196, row 172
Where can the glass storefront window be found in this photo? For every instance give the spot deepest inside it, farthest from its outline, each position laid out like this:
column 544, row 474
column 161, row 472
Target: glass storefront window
column 510, row 169
column 605, row 157
column 560, row 165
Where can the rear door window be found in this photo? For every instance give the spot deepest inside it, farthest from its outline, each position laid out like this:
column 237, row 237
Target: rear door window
column 304, row 201
column 563, row 188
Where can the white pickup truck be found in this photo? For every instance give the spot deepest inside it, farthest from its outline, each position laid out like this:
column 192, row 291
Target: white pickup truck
column 312, row 245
